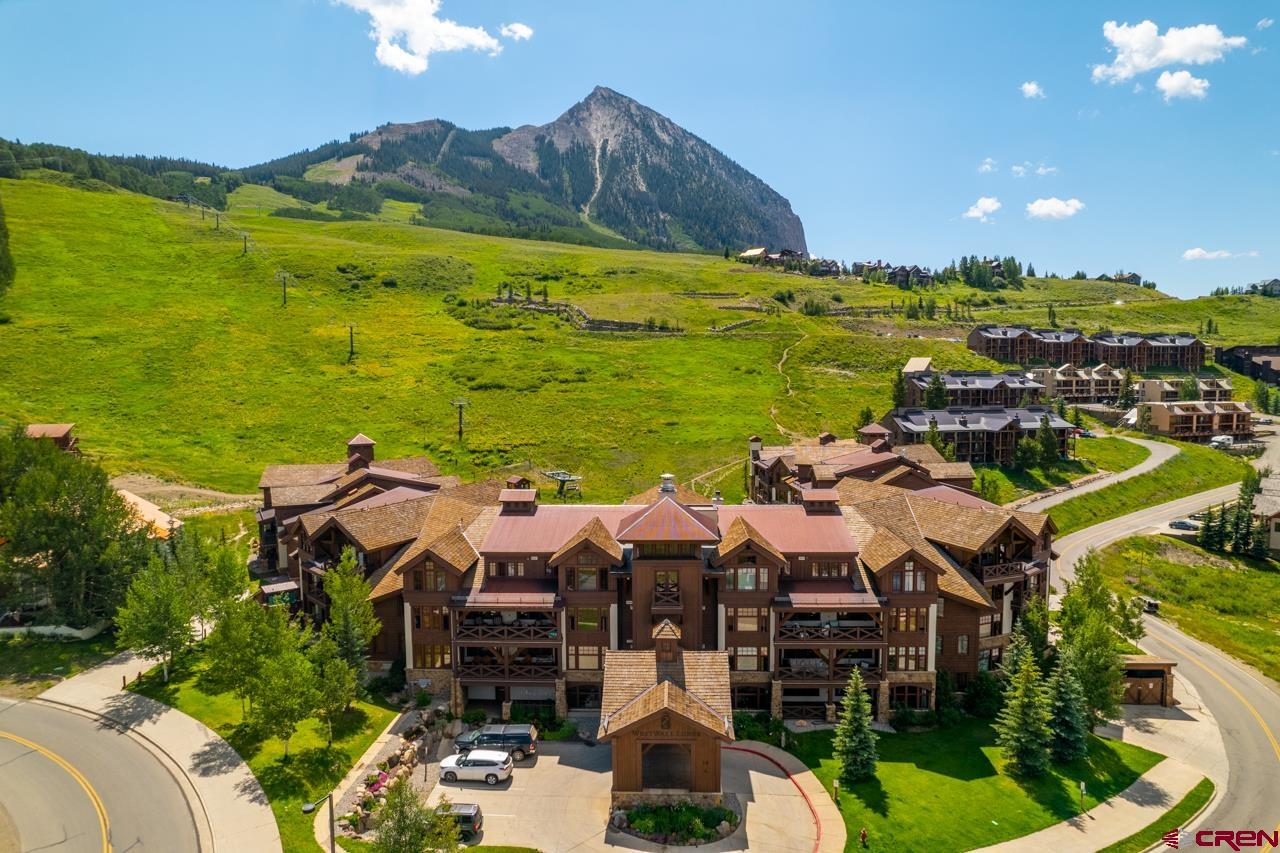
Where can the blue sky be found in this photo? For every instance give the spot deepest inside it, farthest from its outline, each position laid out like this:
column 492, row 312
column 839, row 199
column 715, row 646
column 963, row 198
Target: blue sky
column 874, row 119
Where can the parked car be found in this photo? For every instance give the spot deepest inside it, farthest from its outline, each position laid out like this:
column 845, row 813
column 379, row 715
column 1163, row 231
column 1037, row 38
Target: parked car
column 1265, row 421
column 1086, row 433
column 1184, row 524
column 478, row 765
column 521, row 740
column 1149, row 605
column 468, row 816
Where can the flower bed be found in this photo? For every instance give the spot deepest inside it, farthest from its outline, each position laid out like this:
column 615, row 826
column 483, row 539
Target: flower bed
column 681, row 824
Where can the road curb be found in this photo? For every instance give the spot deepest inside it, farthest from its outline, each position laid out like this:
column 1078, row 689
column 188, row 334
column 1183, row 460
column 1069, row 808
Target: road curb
column 204, row 829
column 1213, row 799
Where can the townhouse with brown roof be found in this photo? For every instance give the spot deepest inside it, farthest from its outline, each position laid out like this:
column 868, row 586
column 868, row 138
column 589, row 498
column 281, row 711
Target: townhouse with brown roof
column 970, row 387
column 1257, row 361
column 1197, row 420
column 1133, row 350
column 1101, row 384
column 1208, row 389
column 782, row 473
column 893, row 582
column 978, row 434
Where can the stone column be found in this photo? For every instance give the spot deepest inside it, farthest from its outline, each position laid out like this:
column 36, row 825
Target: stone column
column 562, row 699
column 882, row 702
column 775, row 699
column 506, row 711
column 832, row 715
column 457, row 700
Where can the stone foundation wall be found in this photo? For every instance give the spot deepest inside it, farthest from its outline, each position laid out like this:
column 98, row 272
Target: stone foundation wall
column 439, row 682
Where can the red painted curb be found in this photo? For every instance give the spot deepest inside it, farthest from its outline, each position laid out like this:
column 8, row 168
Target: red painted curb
column 813, row 812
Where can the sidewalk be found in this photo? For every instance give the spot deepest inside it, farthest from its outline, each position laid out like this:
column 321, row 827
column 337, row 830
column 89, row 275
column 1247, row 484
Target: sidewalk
column 227, row 792
column 830, row 824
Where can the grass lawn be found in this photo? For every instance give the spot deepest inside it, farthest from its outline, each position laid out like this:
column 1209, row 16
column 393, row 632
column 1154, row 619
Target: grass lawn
column 946, row 789
column 1230, row 603
column 1175, row 817
column 1092, row 455
column 31, row 665
column 312, row 768
column 1196, row 469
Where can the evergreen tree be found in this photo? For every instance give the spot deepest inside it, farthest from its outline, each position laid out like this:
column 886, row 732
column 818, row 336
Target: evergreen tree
column 1060, row 406
column 1053, row 317
column 1144, row 419
column 933, row 437
column 1033, row 626
column 1222, row 528
column 1206, row 536
column 935, row 393
column 899, row 389
column 1067, row 722
column 1261, row 395
column 1128, row 397
column 1022, row 726
column 155, row 620
column 1026, row 453
column 1077, row 417
column 7, row 269
column 854, row 745
column 1048, row 441
column 866, row 417
column 9, row 165
column 987, row 486
column 1189, row 389
column 1259, row 546
column 1031, row 271
column 726, row 253
column 352, row 624
column 1092, row 643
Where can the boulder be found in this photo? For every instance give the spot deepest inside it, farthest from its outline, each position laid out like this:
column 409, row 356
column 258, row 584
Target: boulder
column 724, row 828
column 619, row 819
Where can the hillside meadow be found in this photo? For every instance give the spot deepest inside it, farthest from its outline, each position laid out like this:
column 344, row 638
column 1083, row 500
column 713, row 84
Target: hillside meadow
column 166, row 342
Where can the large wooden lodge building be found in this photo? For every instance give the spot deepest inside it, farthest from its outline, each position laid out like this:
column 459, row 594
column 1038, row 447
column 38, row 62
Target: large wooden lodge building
column 1132, row 350
column 488, row 595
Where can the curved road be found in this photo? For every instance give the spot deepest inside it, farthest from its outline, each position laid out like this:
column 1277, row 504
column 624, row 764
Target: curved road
column 1159, row 453
column 1245, row 703
column 68, row 784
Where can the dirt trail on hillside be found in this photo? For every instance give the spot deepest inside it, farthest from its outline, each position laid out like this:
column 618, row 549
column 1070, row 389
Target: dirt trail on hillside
column 182, row 500
column 786, row 353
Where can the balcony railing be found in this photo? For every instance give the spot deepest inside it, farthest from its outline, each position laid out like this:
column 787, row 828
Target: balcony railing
column 1004, row 571
column 666, row 596
column 506, row 633
column 803, row 670
column 507, row 671
column 839, row 633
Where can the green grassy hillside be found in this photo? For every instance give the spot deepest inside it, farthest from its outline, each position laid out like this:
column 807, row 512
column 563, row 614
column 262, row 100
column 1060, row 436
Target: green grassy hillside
column 168, row 345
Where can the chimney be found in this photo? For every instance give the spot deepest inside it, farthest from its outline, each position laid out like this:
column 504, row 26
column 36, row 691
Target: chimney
column 964, row 420
column 717, row 499
column 753, row 445
column 359, row 452
column 668, row 484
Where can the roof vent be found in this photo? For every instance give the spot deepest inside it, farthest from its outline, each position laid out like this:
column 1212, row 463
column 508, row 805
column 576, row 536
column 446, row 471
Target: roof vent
column 717, row 499
column 668, row 483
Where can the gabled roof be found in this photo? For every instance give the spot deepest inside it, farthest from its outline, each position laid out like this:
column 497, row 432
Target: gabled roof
column 300, row 475
column 49, row 430
column 595, row 533
column 741, row 532
column 374, row 527
column 667, row 521
column 665, row 630
column 694, row 686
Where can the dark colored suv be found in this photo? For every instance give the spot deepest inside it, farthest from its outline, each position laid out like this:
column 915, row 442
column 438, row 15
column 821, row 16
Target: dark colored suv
column 469, row 817
column 519, row 740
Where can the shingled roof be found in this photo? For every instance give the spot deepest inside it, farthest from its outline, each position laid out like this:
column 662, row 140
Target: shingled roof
column 637, row 685
column 597, row 534
column 739, row 533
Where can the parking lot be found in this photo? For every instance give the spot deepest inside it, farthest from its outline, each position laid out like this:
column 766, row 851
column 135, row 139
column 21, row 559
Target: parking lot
column 559, row 801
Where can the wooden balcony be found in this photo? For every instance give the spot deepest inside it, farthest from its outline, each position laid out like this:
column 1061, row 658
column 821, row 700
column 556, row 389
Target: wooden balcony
column 1004, row 572
column 791, row 632
column 666, row 598
column 507, row 633
column 502, row 671
column 821, row 672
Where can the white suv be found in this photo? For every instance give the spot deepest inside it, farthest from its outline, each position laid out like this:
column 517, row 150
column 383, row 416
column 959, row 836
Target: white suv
column 478, row 765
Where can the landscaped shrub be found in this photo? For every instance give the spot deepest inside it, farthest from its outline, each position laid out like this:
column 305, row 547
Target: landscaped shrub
column 681, row 823
column 475, row 717
column 909, row 718
column 983, row 697
column 422, row 698
column 757, row 725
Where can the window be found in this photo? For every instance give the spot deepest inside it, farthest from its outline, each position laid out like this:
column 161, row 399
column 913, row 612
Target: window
column 830, row 570
column 585, row 579
column 431, row 618
column 747, row 578
column 920, row 582
column 586, row 558
column 909, row 618
column 962, row 644
column 937, row 644
column 431, row 657
column 429, row 578
column 907, row 659
column 942, row 604
column 910, row 696
column 588, row 619
column 984, row 660
column 751, row 697
column 506, row 570
column 897, row 581
column 666, row 550
column 584, row 657
column 747, row 658
column 744, row 619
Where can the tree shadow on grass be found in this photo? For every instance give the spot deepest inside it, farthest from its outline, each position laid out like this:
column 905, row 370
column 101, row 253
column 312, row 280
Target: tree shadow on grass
column 306, row 773
column 351, row 723
column 1103, row 771
column 872, row 796
column 954, row 752
column 245, row 738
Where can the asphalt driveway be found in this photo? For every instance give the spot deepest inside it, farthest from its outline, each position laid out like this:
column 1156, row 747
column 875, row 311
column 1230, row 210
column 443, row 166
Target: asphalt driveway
column 559, row 801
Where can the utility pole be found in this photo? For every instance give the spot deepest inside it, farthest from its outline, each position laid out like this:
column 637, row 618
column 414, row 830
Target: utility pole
column 284, row 287
column 351, row 342
column 217, row 221
column 459, row 404
column 246, row 245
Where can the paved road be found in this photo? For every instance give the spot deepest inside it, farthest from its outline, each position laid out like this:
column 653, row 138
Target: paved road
column 1160, row 453
column 1245, row 703
column 70, row 785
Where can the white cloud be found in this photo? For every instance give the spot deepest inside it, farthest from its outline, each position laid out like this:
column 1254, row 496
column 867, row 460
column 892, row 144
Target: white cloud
column 1032, row 89
column 1140, row 48
column 1265, row 23
column 987, row 166
column 1054, row 208
column 982, row 209
column 1019, row 169
column 1181, row 84
column 517, row 31
column 409, row 31
column 1026, row 167
column 1138, row 89
column 1043, row 170
column 1199, row 254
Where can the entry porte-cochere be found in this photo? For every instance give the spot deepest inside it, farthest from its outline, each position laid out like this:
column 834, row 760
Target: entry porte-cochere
column 666, row 712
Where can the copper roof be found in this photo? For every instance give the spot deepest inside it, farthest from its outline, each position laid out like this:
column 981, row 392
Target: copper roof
column 637, row 685
column 361, row 440
column 518, row 495
column 667, row 521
